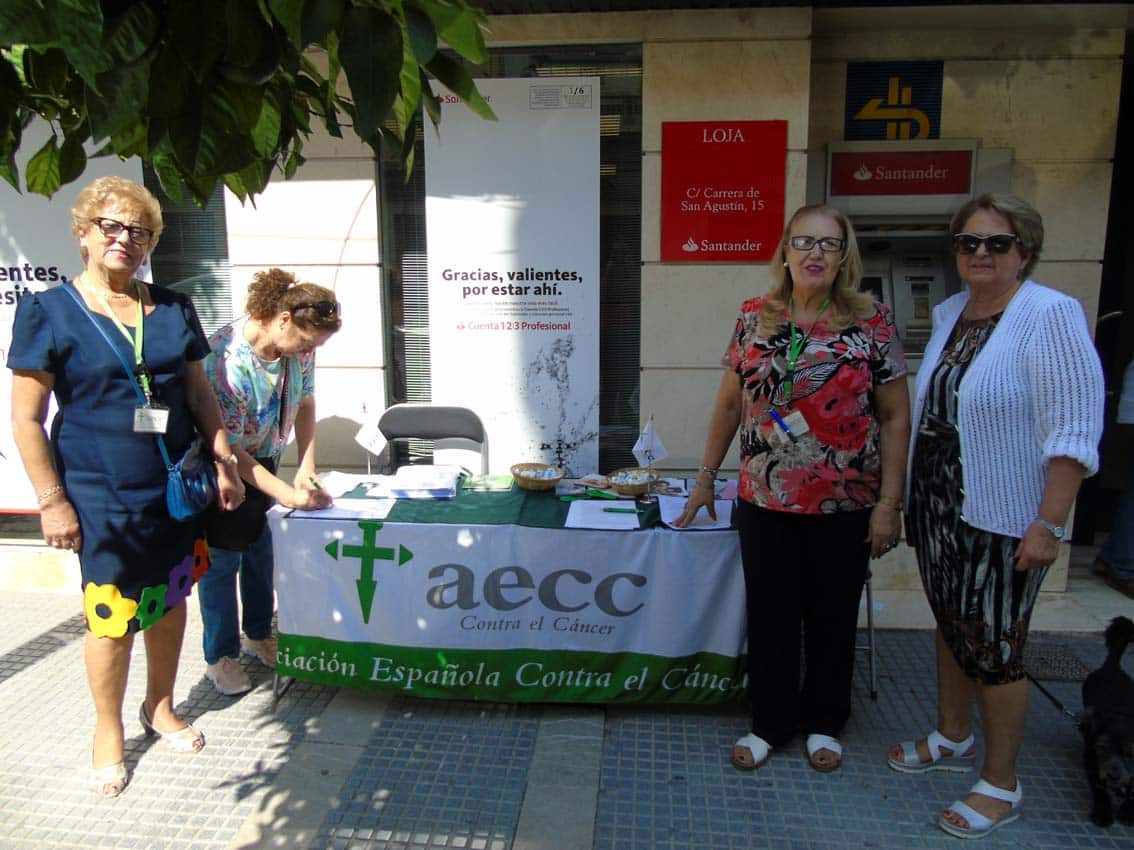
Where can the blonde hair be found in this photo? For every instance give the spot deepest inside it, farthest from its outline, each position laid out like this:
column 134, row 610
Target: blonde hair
column 136, row 199
column 276, row 291
column 848, row 303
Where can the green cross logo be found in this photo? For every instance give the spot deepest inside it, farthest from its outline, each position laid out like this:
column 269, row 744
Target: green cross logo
column 367, row 553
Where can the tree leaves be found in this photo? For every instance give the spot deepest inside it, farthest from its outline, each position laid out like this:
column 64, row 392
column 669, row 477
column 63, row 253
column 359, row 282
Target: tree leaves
column 370, row 48
column 206, row 91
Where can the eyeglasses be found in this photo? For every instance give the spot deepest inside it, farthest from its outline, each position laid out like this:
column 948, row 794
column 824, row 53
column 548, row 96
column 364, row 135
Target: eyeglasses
column 998, row 243
column 828, row 244
column 111, row 229
column 325, row 309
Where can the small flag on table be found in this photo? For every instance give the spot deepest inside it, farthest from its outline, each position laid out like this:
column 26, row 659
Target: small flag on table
column 649, row 449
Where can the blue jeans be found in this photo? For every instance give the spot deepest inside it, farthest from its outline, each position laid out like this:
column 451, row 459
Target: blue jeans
column 1118, row 551
column 216, row 592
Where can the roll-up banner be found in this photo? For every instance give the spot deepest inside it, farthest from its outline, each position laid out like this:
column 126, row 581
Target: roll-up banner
column 512, row 223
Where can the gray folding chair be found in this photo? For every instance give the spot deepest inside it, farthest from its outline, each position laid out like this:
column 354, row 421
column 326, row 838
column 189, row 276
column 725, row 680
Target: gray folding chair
column 448, row 428
column 868, row 645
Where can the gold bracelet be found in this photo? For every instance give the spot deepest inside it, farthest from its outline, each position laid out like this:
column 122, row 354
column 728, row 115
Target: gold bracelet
column 228, row 460
column 48, row 493
column 890, row 502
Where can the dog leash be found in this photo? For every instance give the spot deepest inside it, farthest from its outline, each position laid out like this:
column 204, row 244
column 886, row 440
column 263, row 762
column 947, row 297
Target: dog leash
column 1054, row 699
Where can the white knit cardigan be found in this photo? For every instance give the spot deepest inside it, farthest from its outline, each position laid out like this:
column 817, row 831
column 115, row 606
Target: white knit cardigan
column 1033, row 392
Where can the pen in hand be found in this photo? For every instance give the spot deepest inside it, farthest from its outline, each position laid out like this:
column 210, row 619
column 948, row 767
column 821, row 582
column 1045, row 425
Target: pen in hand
column 314, row 483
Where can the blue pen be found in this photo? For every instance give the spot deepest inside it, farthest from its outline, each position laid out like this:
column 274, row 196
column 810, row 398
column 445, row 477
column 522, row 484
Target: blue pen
column 780, row 421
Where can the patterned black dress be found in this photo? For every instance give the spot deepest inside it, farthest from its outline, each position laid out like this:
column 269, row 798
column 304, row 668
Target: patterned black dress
column 982, row 604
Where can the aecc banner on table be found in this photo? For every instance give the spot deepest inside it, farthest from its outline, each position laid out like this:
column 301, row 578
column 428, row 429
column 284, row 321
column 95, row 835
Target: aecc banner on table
column 511, row 613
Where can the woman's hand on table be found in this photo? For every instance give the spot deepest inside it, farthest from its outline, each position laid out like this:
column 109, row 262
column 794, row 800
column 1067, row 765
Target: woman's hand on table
column 306, row 496
column 701, row 496
column 1038, row 548
column 885, row 529
column 60, row 525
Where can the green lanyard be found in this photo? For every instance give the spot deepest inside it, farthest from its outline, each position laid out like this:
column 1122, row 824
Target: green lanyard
column 136, row 338
column 797, row 345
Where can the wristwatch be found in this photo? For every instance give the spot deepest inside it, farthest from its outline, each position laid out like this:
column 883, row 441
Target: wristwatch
column 228, row 460
column 1057, row 531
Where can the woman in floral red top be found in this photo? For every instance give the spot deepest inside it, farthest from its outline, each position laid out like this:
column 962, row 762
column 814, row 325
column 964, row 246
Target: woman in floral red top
column 815, row 383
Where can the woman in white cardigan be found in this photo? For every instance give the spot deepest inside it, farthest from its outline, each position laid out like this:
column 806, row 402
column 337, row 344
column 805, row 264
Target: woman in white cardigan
column 1008, row 414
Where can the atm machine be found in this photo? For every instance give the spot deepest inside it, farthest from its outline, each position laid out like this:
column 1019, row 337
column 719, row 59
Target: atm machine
column 912, row 271
column 901, row 195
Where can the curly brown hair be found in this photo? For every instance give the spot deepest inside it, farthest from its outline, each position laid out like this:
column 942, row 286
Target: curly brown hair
column 276, row 291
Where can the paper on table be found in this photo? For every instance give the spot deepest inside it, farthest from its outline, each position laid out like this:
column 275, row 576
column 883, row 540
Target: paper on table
column 351, row 509
column 591, row 513
column 340, row 483
column 671, row 508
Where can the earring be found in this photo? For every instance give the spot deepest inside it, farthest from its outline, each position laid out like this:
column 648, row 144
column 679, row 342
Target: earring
column 785, row 264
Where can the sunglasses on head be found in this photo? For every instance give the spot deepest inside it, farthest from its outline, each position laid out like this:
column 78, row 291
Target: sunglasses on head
column 325, row 309
column 828, row 244
column 111, row 229
column 997, row 243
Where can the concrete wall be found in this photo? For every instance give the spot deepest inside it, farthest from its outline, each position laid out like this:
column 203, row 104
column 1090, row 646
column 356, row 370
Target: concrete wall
column 1046, row 87
column 1043, row 81
column 751, row 64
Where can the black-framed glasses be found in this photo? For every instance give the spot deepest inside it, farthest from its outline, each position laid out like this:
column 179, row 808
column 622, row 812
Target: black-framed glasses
column 997, row 243
column 111, row 229
column 324, row 309
column 828, row 244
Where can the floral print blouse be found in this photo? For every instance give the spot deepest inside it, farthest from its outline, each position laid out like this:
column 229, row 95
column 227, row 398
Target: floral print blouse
column 834, row 464
column 249, row 392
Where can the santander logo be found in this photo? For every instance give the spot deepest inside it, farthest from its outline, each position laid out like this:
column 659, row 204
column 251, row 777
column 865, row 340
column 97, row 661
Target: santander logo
column 689, row 246
column 863, row 173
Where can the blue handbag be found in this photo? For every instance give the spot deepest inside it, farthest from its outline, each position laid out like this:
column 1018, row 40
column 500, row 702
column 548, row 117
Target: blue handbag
column 192, row 483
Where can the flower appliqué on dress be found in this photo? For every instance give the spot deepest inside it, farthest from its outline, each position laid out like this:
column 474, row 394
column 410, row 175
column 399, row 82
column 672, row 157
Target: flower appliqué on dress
column 108, row 611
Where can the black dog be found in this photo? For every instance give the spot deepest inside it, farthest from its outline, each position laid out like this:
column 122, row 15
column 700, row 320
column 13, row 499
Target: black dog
column 1108, row 731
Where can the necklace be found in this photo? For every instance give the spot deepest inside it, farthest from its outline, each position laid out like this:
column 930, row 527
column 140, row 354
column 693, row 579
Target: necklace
column 106, row 291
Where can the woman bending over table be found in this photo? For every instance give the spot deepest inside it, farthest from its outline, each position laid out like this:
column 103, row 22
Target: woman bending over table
column 262, row 368
column 815, row 382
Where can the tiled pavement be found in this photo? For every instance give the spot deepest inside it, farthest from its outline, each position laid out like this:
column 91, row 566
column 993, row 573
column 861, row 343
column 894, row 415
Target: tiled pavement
column 364, row 771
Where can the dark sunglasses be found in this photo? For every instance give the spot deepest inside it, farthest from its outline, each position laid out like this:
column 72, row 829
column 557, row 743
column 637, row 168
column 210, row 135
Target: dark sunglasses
column 998, row 243
column 111, row 229
column 829, row 244
column 325, row 309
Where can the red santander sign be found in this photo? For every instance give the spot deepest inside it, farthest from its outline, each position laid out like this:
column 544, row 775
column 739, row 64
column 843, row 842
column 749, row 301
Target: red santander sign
column 921, row 172
column 722, row 194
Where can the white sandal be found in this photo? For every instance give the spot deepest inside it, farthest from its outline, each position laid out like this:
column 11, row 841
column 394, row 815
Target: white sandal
column 958, row 761
column 981, row 825
column 817, row 742
column 757, row 747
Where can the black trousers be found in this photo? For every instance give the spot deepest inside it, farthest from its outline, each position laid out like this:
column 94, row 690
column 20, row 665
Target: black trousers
column 801, row 571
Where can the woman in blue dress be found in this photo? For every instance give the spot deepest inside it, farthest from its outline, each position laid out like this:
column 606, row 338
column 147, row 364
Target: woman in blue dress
column 100, row 477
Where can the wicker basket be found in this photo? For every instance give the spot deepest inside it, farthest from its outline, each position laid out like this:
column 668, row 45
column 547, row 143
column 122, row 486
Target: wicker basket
column 637, row 488
column 521, row 474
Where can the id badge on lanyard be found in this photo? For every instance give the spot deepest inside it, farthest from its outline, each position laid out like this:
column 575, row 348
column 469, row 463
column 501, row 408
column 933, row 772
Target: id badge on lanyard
column 152, row 418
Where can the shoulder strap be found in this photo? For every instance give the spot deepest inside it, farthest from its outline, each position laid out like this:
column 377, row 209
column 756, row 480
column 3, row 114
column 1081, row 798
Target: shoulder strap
column 78, row 299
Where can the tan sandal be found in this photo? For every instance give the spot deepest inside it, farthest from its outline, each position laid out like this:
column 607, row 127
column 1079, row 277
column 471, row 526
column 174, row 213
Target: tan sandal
column 109, row 780
column 184, row 740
